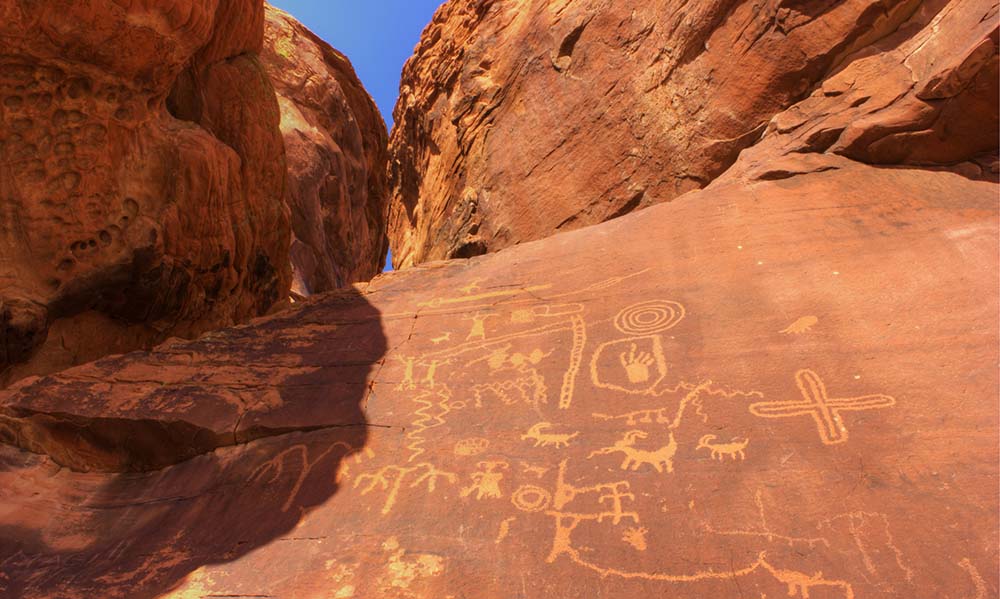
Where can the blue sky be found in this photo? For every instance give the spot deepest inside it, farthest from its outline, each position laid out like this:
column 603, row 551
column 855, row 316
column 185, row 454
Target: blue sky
column 376, row 35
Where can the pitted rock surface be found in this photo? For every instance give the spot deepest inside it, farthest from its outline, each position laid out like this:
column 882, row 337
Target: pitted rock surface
column 141, row 177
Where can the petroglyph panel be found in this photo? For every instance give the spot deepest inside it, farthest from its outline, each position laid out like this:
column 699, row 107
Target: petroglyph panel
column 656, row 432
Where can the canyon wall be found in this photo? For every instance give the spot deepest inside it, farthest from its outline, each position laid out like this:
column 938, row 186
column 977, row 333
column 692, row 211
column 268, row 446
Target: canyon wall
column 518, row 118
column 141, row 178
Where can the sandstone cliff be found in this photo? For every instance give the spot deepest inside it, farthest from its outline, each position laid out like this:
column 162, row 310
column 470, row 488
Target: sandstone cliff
column 781, row 385
column 521, row 118
column 141, row 177
column 335, row 143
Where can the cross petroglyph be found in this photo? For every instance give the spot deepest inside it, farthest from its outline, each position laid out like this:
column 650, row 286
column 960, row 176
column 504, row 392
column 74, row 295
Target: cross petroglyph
column 818, row 404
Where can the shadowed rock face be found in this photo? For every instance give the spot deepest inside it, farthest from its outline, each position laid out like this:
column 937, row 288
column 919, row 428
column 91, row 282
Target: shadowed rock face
column 772, row 388
column 335, row 141
column 519, row 118
column 141, row 177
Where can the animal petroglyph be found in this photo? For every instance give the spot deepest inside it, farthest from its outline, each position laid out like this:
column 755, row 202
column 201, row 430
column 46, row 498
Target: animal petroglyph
column 823, row 410
column 542, row 439
column 646, row 318
column 441, row 339
column 391, row 478
column 662, row 458
column 486, row 482
column 276, row 466
column 536, row 471
column 802, row 325
column 735, row 448
column 636, row 537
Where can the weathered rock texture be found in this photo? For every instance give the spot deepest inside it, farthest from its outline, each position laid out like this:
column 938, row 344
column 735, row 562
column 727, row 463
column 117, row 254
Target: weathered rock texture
column 520, row 118
column 335, row 142
column 778, row 388
column 141, row 176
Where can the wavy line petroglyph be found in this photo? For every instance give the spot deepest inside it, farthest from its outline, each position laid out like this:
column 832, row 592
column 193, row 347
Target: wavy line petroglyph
column 435, row 405
column 818, row 404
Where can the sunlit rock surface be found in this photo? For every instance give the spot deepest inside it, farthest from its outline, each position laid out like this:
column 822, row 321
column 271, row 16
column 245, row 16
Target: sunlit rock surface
column 776, row 388
column 141, row 177
column 335, row 142
column 521, row 118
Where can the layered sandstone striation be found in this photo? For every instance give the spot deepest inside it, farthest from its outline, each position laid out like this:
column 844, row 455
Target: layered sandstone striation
column 518, row 119
column 336, row 148
column 141, row 177
column 634, row 409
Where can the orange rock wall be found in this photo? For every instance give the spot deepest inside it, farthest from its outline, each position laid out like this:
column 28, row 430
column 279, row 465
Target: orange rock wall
column 141, row 177
column 336, row 144
column 518, row 119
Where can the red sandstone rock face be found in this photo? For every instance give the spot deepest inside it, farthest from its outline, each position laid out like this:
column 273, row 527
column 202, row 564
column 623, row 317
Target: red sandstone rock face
column 141, row 177
column 335, row 142
column 518, row 119
column 772, row 388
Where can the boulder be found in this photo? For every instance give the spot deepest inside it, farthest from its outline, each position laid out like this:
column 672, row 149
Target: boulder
column 336, row 149
column 141, row 177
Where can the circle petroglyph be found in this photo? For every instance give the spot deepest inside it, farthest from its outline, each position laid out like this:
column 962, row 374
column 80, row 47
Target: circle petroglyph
column 650, row 317
column 530, row 498
column 472, row 446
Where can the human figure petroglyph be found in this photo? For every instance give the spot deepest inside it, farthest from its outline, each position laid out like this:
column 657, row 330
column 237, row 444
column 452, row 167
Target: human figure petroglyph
column 391, row 479
column 662, row 458
column 542, row 439
column 408, row 381
column 733, row 449
column 478, row 330
column 432, row 367
column 486, row 482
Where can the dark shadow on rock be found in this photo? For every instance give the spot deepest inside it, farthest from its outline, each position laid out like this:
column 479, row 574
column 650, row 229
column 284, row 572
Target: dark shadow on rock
column 139, row 534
